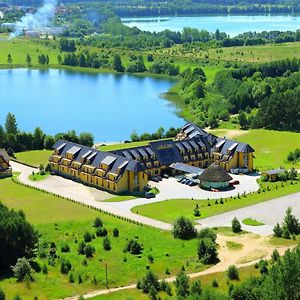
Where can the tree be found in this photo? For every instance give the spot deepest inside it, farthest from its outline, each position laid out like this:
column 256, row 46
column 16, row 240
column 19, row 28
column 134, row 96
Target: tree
column 38, row 139
column 150, row 280
column 117, row 64
column 207, row 233
column 196, row 288
column 86, row 139
column 98, row 222
column 207, row 251
column 28, row 60
column 277, row 230
column 89, row 251
column 48, row 142
column 243, row 119
column 183, row 229
column 232, row 273
column 65, row 266
column 42, row 59
column 236, row 225
column 182, row 284
column 17, row 237
column 291, row 222
column 115, row 232
column 22, row 269
column 133, row 247
column 106, row 244
column 9, row 59
column 11, row 126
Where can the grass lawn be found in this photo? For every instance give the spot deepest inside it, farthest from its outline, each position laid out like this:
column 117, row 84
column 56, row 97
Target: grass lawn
column 35, row 157
column 252, row 222
column 233, row 245
column 62, row 222
column 271, row 147
column 38, row 176
column 170, row 210
column 120, row 198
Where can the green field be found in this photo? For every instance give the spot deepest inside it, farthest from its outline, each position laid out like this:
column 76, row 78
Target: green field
column 61, row 221
column 34, row 158
column 252, row 222
column 170, row 210
column 250, row 54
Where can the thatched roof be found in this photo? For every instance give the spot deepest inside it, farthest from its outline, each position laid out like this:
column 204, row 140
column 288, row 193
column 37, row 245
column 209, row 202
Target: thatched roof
column 215, row 173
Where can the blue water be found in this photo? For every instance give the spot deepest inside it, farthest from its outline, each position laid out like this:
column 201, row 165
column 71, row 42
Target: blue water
column 107, row 105
column 231, row 24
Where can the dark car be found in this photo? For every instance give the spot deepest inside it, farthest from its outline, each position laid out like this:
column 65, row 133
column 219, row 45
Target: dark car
column 155, row 179
column 183, row 181
column 234, row 182
column 149, row 195
column 192, row 183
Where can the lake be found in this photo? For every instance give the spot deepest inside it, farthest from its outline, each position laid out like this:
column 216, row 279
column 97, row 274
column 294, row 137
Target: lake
column 110, row 106
column 231, row 24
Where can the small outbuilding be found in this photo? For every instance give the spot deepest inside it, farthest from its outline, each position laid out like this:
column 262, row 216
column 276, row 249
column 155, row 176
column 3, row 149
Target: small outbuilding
column 272, row 175
column 214, row 177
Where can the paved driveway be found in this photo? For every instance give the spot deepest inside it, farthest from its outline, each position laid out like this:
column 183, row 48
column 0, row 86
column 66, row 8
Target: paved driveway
column 171, row 189
column 269, row 212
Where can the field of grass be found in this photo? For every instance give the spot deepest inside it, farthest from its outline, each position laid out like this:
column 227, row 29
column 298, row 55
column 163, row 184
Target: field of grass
column 61, row 221
column 271, row 147
column 234, row 246
column 120, row 198
column 252, row 222
column 250, row 54
column 35, row 157
column 170, row 210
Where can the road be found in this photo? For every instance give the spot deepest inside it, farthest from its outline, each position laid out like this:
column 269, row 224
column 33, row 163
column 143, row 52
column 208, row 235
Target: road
column 269, row 212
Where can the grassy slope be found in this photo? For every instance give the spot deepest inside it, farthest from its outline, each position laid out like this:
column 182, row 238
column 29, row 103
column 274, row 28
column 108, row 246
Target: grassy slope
column 59, row 220
column 35, row 157
column 169, row 210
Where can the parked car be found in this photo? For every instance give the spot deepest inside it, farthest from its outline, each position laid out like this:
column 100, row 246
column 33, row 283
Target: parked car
column 166, row 176
column 234, row 182
column 195, row 176
column 149, row 195
column 188, row 181
column 180, row 179
column 183, row 180
column 192, row 183
column 159, row 178
column 155, row 179
column 214, row 190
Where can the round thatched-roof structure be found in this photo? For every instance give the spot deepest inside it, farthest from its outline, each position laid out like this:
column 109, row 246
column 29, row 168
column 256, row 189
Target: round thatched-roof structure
column 214, row 177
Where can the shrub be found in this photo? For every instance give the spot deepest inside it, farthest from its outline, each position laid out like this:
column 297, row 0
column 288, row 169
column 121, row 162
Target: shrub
column 291, row 222
column 115, row 232
column 106, row 244
column 207, row 233
column 87, row 237
column 79, row 279
column 65, row 248
column 89, row 251
column 101, row 232
column 236, row 225
column 197, row 212
column 81, row 247
column 22, row 269
column 263, row 266
column 184, row 229
column 71, row 278
column 65, row 266
column 98, row 222
column 182, row 284
column 45, row 269
column 275, row 255
column 215, row 283
column 147, row 282
column 207, row 251
column 2, row 295
column 277, row 230
column 196, row 288
column 133, row 247
column 150, row 258
column 233, row 273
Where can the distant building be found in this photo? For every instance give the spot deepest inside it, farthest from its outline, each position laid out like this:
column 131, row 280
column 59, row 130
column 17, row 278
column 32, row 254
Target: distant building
column 5, row 168
column 129, row 169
